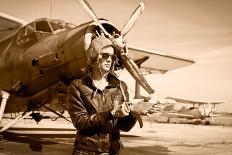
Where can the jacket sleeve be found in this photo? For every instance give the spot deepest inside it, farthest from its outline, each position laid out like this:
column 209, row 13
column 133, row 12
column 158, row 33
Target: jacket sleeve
column 126, row 123
column 82, row 120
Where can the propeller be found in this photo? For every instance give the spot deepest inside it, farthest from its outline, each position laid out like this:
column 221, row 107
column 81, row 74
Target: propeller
column 120, row 43
column 90, row 11
column 131, row 22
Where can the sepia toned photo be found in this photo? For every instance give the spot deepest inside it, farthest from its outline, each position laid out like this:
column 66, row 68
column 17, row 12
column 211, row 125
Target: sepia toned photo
column 114, row 77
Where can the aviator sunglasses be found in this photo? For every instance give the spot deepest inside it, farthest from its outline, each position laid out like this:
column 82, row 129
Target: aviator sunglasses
column 107, row 55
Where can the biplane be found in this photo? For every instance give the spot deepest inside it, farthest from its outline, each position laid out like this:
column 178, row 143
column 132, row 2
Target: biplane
column 40, row 58
column 194, row 110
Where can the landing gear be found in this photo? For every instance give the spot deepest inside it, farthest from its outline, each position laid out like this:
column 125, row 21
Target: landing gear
column 16, row 120
column 207, row 123
column 197, row 122
column 33, row 103
column 5, row 97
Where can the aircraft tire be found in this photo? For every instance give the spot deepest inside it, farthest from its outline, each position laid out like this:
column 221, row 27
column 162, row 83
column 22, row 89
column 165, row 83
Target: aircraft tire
column 197, row 122
column 207, row 123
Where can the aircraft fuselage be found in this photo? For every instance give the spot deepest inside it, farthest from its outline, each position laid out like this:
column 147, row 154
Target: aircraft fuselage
column 29, row 66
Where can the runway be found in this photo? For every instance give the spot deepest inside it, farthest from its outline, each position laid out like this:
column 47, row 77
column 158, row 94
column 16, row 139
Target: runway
column 159, row 139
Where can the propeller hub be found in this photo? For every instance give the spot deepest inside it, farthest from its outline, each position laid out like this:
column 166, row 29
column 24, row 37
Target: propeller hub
column 119, row 43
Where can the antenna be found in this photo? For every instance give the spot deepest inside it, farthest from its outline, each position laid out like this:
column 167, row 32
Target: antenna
column 51, row 8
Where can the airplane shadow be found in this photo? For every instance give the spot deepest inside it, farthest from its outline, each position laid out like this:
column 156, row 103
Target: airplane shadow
column 41, row 143
column 35, row 142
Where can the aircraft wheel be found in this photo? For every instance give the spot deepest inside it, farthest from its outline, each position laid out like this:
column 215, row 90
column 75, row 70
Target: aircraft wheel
column 207, row 123
column 197, row 122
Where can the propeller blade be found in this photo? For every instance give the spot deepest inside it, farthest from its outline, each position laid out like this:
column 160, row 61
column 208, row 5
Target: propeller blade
column 90, row 11
column 131, row 22
column 133, row 69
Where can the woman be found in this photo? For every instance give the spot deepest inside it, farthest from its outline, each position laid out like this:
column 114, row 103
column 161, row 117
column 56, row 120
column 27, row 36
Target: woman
column 94, row 100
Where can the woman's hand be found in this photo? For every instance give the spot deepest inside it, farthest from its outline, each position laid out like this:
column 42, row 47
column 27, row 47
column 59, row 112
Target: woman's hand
column 121, row 110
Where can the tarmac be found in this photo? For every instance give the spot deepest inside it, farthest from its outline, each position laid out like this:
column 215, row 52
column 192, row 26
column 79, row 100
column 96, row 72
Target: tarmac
column 57, row 138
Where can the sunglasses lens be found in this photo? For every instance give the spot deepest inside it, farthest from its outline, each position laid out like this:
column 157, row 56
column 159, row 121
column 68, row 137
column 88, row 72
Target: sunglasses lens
column 107, row 55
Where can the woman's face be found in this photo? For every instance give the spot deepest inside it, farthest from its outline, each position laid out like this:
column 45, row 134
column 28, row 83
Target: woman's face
column 106, row 58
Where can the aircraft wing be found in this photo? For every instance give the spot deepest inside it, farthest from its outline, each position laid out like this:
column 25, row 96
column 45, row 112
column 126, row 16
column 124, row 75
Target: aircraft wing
column 191, row 102
column 156, row 62
column 9, row 25
column 180, row 115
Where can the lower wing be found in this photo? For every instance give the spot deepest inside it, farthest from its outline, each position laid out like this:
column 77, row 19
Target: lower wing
column 151, row 61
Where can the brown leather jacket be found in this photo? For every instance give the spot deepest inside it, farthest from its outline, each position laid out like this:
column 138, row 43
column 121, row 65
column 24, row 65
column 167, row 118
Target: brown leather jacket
column 97, row 129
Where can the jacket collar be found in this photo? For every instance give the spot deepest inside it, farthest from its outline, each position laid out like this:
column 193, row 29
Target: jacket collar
column 111, row 78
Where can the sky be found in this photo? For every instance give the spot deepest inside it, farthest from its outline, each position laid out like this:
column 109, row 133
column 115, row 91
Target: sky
column 195, row 29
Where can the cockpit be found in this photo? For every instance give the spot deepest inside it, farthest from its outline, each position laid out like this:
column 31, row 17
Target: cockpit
column 40, row 28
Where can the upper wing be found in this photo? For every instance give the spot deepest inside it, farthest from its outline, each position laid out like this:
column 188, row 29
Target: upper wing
column 153, row 61
column 191, row 102
column 9, row 25
column 180, row 115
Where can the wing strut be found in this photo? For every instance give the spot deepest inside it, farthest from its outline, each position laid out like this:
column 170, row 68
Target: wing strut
column 16, row 120
column 5, row 97
column 60, row 115
column 137, row 85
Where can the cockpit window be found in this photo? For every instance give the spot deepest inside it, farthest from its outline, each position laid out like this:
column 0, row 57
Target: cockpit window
column 25, row 35
column 30, row 29
column 26, row 31
column 43, row 26
column 22, row 32
column 56, row 26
